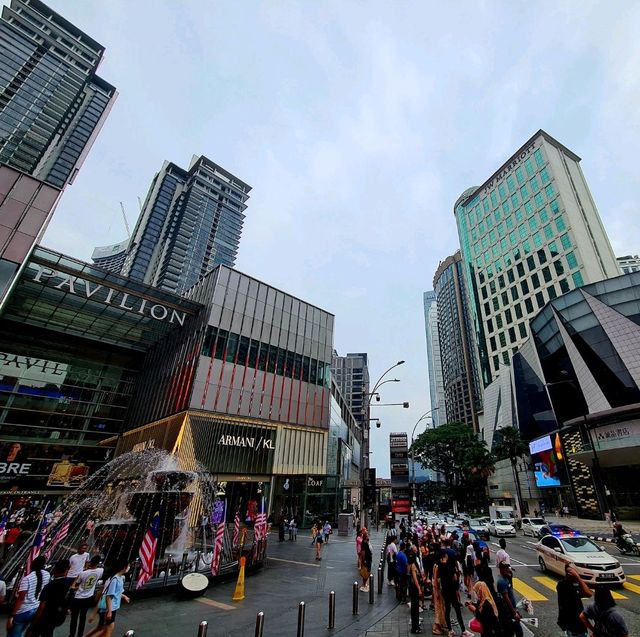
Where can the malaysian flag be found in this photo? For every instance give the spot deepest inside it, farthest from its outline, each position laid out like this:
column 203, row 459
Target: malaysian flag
column 3, row 521
column 148, row 550
column 61, row 533
column 236, row 528
column 260, row 525
column 38, row 540
column 217, row 547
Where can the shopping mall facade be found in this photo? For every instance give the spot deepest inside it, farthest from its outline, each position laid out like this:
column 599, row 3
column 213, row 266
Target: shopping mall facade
column 235, row 376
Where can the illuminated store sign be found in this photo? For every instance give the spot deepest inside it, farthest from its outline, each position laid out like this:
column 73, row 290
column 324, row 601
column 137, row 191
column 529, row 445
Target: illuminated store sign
column 104, row 294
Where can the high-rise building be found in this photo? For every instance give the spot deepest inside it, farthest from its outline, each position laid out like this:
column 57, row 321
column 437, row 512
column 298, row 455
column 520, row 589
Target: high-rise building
column 52, row 106
column 111, row 257
column 52, row 103
column 460, row 375
column 351, row 375
column 434, row 359
column 629, row 263
column 191, row 222
column 528, row 234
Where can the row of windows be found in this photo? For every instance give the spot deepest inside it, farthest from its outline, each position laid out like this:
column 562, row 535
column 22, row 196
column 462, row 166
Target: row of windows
column 241, row 350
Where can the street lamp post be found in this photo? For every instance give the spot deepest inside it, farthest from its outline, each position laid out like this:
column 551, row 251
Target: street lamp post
column 413, row 462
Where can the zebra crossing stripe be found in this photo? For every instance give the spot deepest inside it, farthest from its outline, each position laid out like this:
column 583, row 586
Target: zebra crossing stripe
column 634, row 577
column 619, row 595
column 526, row 591
column 546, row 581
column 632, row 587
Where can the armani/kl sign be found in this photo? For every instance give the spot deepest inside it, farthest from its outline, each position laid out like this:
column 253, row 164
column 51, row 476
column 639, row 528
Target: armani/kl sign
column 108, row 296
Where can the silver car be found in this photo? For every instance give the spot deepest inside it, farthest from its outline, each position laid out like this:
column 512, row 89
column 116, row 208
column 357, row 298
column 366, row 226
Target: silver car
column 532, row 526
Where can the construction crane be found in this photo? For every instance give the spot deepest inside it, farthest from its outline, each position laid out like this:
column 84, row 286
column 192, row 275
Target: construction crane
column 126, row 223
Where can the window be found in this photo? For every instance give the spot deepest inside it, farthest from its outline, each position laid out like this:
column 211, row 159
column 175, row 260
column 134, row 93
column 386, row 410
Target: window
column 544, row 215
column 518, row 310
column 496, row 363
column 525, row 287
column 504, row 298
column 509, row 223
column 472, row 220
column 494, row 199
column 542, row 256
column 522, row 231
column 535, row 187
column 505, row 358
column 565, row 241
column 514, row 293
column 502, row 191
column 559, row 268
column 549, row 191
column 484, row 292
column 492, row 343
column 511, row 184
column 481, row 228
column 539, row 199
column 489, row 325
column 531, row 263
column 522, row 328
column 495, row 251
column 499, row 323
column 564, row 286
column 489, row 222
column 537, row 155
column 555, row 207
column 537, row 240
column 524, row 193
column 551, row 291
column 528, row 306
column 535, row 281
column 540, row 300
column 526, row 247
column 529, row 167
column 544, row 175
column 572, row 262
column 498, row 263
column 553, row 248
column 508, row 317
column 504, row 245
column 492, row 236
column 501, row 281
column 512, row 335
column 514, row 200
column 505, row 208
column 497, row 215
column 533, row 224
column 487, row 308
column 518, row 214
column 512, row 238
column 548, row 231
column 577, row 279
column 503, row 339
column 496, row 304
column 546, row 274
column 519, row 175
column 511, row 276
column 474, row 234
column 507, row 260
column 485, row 204
column 516, row 254
column 520, row 269
column 492, row 287
column 560, row 225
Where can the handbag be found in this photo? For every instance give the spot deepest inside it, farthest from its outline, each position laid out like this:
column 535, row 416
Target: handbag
column 475, row 626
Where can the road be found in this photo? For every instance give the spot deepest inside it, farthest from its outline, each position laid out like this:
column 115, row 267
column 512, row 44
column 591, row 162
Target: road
column 540, row 587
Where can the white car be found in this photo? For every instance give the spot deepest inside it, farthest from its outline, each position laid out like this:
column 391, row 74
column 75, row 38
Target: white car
column 502, row 528
column 593, row 563
column 532, row 526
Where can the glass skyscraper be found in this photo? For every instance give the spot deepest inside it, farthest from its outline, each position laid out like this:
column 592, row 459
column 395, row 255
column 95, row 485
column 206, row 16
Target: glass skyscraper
column 528, row 234
column 52, row 104
column 434, row 359
column 191, row 222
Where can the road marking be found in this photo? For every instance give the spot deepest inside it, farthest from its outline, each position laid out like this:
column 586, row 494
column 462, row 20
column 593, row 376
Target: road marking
column 531, row 593
column 279, row 559
column 632, row 587
column 618, row 595
column 634, row 576
column 212, row 602
column 546, row 581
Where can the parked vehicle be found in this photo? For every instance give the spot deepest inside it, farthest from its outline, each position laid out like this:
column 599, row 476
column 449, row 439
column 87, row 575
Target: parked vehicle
column 502, row 528
column 593, row 563
column 533, row 526
column 502, row 513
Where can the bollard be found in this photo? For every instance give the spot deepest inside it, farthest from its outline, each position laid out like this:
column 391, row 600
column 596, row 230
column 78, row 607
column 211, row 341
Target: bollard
column 183, row 564
column 129, row 633
column 332, row 610
column 166, row 573
column 371, row 591
column 202, row 629
column 355, row 598
column 300, row 620
column 259, row 624
column 380, row 581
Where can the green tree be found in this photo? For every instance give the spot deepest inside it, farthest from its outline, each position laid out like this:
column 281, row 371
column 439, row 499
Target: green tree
column 454, row 450
column 509, row 445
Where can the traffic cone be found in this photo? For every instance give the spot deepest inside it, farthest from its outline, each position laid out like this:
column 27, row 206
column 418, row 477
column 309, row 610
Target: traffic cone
column 238, row 594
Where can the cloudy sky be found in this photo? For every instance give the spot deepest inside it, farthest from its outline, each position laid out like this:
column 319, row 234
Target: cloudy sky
column 358, row 124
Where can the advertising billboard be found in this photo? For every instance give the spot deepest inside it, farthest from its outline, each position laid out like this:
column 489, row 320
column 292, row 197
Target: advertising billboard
column 548, row 461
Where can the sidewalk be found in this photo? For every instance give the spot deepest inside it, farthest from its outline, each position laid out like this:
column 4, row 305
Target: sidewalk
column 397, row 623
column 592, row 526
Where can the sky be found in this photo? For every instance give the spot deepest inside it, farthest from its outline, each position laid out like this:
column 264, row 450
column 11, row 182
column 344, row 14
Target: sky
column 358, row 125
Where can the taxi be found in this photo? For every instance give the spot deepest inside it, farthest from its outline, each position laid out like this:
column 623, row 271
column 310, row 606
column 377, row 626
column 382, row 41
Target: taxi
column 594, row 564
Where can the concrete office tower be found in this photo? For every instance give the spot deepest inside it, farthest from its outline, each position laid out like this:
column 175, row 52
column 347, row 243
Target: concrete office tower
column 191, row 222
column 434, row 360
column 52, row 103
column 461, row 380
column 629, row 263
column 111, row 258
column 528, row 234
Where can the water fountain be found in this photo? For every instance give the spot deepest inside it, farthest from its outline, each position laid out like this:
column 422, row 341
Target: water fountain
column 113, row 509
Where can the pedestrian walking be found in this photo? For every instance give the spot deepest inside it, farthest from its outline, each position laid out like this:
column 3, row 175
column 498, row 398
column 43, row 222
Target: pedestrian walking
column 293, row 530
column 83, row 599
column 326, row 531
column 359, row 546
column 392, row 552
column 112, row 597
column 319, row 542
column 54, row 602
column 570, row 591
column 314, row 533
column 366, row 557
column 501, row 553
column 281, row 524
column 401, row 574
column 602, row 617
column 450, row 587
column 27, row 602
column 504, row 585
column 414, row 592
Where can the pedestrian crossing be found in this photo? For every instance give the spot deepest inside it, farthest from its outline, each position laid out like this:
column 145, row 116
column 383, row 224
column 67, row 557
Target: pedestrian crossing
column 532, row 590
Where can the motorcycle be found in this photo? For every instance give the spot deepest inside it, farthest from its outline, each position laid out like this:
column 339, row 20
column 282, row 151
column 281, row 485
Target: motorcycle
column 626, row 545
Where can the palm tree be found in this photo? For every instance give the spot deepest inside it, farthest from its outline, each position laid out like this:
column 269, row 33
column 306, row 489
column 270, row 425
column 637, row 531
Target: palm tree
column 509, row 444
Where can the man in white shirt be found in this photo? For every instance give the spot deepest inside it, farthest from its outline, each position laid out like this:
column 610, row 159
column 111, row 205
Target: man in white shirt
column 78, row 561
column 85, row 586
column 501, row 553
column 392, row 551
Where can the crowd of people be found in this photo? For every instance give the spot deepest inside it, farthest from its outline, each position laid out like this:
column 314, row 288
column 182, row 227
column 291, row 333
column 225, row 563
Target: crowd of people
column 73, row 588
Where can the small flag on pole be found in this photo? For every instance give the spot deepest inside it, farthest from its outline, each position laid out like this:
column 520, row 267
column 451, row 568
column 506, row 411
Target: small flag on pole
column 38, row 540
column 219, row 541
column 236, row 528
column 148, row 551
column 61, row 533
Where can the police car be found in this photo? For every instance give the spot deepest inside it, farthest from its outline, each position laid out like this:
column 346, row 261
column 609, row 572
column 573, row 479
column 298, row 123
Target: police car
column 593, row 563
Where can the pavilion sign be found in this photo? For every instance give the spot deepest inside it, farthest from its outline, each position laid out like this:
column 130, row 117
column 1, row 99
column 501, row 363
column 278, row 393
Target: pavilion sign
column 107, row 295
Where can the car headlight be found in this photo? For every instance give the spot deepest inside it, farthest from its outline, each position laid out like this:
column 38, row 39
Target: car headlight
column 579, row 565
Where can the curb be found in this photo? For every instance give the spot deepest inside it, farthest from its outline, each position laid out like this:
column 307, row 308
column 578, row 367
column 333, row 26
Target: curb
column 605, row 539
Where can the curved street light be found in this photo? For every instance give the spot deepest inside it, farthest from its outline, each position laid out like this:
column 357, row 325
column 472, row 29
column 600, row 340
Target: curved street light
column 413, row 461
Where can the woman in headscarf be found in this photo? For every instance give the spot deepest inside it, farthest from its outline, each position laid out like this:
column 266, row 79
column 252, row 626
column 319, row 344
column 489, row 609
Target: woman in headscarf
column 485, row 611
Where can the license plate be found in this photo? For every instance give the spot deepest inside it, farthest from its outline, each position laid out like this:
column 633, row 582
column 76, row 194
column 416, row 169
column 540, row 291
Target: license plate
column 608, row 576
